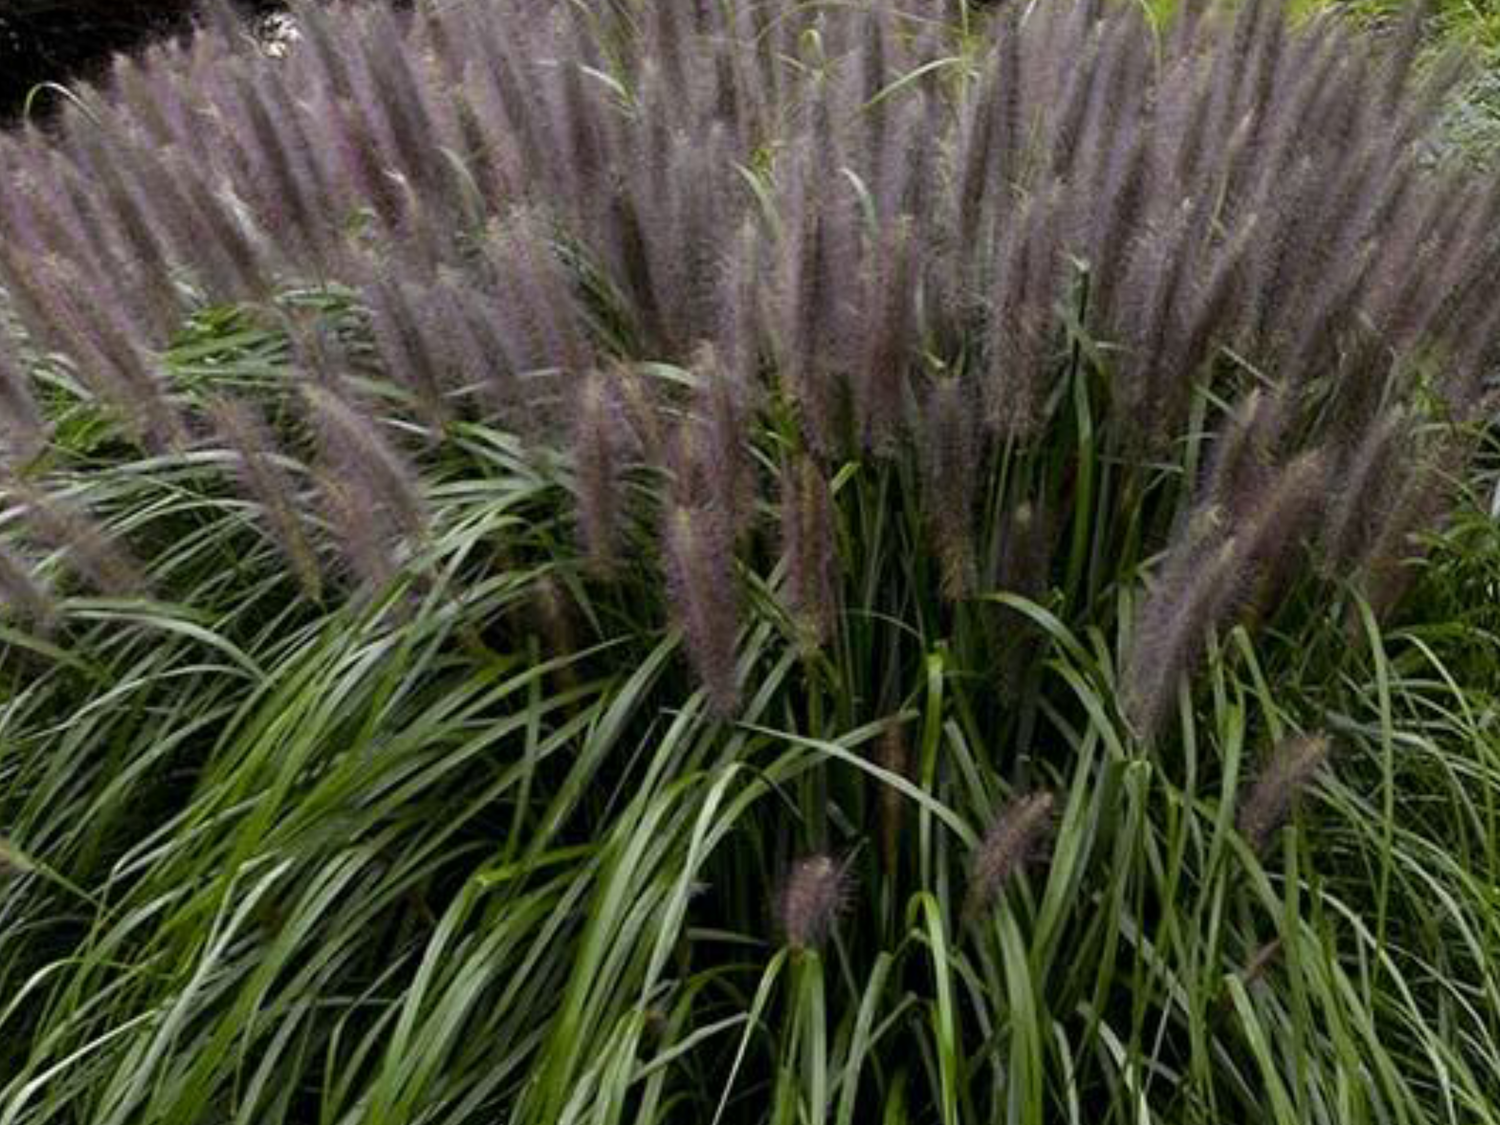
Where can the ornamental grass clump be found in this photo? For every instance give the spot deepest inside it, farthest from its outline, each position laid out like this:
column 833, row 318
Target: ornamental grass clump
column 892, row 247
column 503, row 505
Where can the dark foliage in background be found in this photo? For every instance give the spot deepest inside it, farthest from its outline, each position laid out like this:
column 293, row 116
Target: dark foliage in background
column 66, row 41
column 59, row 40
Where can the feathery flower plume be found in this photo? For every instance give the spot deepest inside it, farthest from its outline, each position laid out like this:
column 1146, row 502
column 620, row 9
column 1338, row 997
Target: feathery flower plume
column 723, row 419
column 873, row 62
column 950, row 446
column 530, row 276
column 1186, row 118
column 1015, row 839
column 222, row 22
column 1293, row 765
column 348, row 142
column 703, row 590
column 333, row 68
column 142, row 95
column 1368, row 483
column 1112, row 239
column 270, row 485
column 552, row 608
column 1110, row 96
column 410, row 355
column 888, row 337
column 372, row 467
column 601, row 449
column 1020, row 320
column 313, row 170
column 55, row 301
column 318, row 350
column 976, row 154
column 808, row 543
column 236, row 268
column 1243, row 455
column 1265, row 65
column 1194, row 595
column 191, row 236
column 391, row 97
column 1152, row 395
column 20, row 590
column 1073, row 105
column 100, row 158
column 362, row 530
column 816, row 891
column 1273, row 537
column 109, row 343
column 472, row 351
column 279, row 186
column 1388, row 564
column 579, row 127
column 743, row 285
column 690, row 461
column 89, row 549
column 1009, row 139
column 1224, row 566
column 808, row 315
column 26, row 432
column 1210, row 317
column 68, row 219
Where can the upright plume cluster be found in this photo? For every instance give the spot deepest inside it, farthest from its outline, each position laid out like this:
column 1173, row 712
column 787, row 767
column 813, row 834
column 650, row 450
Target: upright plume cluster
column 894, row 240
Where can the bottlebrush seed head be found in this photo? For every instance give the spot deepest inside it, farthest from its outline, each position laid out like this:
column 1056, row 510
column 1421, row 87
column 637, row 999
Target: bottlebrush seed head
column 809, row 545
column 703, row 589
column 815, row 893
column 600, row 450
column 1293, row 765
column 1016, row 838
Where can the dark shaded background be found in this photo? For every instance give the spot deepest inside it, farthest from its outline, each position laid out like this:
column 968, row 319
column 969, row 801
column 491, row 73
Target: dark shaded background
column 66, row 40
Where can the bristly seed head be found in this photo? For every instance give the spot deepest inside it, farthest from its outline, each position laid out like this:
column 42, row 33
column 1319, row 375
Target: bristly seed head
column 1292, row 767
column 808, row 541
column 96, row 554
column 1015, row 839
column 815, row 893
column 1096, row 217
column 703, row 589
column 600, row 449
column 20, row 590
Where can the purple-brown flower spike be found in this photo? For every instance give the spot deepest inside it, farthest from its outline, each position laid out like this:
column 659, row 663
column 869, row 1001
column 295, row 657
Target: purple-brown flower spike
column 21, row 592
column 269, row 485
column 703, row 589
column 600, row 451
column 816, row 892
column 1293, row 765
column 809, row 545
column 1015, row 839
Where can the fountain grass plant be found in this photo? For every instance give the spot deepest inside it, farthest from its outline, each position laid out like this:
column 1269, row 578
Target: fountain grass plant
column 749, row 562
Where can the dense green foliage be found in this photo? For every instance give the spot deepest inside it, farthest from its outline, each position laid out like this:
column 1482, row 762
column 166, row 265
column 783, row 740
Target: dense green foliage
column 827, row 566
